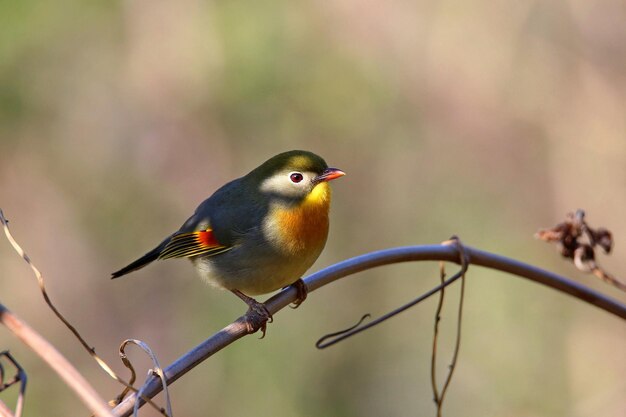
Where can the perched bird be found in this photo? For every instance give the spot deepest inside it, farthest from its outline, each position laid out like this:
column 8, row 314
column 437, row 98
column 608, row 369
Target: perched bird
column 258, row 233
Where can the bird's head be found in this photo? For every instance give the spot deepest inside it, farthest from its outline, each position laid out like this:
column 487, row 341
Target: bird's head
column 295, row 177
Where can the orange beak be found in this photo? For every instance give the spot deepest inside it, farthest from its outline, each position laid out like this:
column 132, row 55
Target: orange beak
column 329, row 174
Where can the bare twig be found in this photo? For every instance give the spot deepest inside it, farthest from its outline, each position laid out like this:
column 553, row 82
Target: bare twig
column 433, row 357
column 336, row 337
column 439, row 397
column 83, row 342
column 157, row 370
column 133, row 376
column 457, row 343
column 20, row 376
column 40, row 282
column 56, row 361
column 237, row 329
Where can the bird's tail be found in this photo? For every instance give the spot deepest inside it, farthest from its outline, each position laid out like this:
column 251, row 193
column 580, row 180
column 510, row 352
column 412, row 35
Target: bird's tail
column 153, row 255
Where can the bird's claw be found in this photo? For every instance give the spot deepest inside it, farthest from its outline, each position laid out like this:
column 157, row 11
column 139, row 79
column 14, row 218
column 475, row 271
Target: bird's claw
column 257, row 315
column 257, row 318
column 302, row 291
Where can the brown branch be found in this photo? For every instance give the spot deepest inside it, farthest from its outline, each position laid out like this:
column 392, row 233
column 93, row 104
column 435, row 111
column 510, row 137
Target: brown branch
column 157, row 370
column 433, row 356
column 56, row 361
column 334, row 338
column 237, row 329
column 42, row 287
column 439, row 397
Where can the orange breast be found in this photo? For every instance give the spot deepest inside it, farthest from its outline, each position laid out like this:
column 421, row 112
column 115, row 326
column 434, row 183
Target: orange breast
column 305, row 228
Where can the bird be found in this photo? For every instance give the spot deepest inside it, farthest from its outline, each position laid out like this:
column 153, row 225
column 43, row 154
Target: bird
column 258, row 233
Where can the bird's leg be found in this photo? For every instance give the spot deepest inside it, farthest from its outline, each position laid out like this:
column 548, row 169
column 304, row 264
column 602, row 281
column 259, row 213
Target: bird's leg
column 257, row 316
column 301, row 290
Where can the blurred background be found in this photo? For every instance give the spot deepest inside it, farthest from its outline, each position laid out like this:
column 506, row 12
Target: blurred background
column 485, row 119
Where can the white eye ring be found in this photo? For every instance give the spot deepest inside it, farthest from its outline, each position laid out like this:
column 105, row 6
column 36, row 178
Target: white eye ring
column 296, row 177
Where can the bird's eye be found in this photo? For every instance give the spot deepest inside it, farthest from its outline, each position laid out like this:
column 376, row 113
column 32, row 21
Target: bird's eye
column 296, row 177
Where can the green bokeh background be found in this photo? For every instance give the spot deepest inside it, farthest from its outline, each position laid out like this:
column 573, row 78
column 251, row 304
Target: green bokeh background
column 485, row 119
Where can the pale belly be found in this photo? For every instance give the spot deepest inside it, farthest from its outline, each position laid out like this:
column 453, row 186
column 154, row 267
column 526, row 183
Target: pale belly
column 254, row 278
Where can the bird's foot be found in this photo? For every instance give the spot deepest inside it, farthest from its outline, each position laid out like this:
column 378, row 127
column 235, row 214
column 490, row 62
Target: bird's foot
column 257, row 315
column 302, row 290
column 257, row 319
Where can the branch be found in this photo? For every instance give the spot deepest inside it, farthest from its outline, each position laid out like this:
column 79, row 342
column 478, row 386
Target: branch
column 83, row 342
column 440, row 396
column 56, row 361
column 157, row 370
column 237, row 329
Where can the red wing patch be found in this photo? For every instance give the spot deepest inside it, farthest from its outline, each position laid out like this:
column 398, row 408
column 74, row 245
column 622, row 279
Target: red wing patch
column 185, row 245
